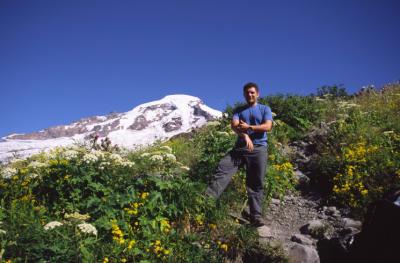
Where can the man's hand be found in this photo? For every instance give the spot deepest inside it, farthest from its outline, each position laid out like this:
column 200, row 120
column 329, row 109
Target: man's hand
column 249, row 143
column 243, row 126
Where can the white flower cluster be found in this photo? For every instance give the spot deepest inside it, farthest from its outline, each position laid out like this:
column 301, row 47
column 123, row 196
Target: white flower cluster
column 170, row 157
column 145, row 155
column 36, row 165
column 70, row 154
column 156, row 158
column 8, row 172
column 103, row 165
column 52, row 224
column 90, row 158
column 129, row 164
column 87, row 228
column 116, row 158
column 99, row 154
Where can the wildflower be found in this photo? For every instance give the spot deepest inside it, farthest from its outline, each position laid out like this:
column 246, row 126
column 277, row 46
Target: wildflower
column 98, row 154
column 185, row 168
column 145, row 155
column 52, row 224
column 118, row 236
column 165, row 226
column 70, row 154
column 2, row 232
column 123, row 260
column 76, row 216
column 128, row 164
column 90, row 158
column 36, row 164
column 116, row 158
column 8, row 172
column 131, row 244
column 105, row 260
column 87, row 228
column 170, row 157
column 144, row 195
column 224, row 247
column 156, row 158
column 212, row 226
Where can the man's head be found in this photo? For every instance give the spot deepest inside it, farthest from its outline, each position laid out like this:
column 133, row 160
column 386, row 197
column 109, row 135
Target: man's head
column 251, row 93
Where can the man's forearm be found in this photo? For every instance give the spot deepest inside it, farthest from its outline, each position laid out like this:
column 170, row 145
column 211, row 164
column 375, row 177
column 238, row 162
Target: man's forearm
column 260, row 128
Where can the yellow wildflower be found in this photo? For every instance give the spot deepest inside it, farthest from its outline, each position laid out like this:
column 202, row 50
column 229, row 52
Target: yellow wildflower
column 144, row 195
column 131, row 244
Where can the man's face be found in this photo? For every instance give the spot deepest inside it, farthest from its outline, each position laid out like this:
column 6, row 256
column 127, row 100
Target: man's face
column 251, row 95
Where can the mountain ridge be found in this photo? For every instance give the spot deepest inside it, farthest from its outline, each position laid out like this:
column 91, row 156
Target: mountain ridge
column 142, row 125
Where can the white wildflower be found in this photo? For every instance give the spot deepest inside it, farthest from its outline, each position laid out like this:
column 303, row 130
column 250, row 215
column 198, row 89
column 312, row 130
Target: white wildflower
column 116, row 158
column 33, row 175
column 156, row 158
column 87, row 228
column 185, row 168
column 103, row 165
column 128, row 164
column 8, row 172
column 170, row 157
column 36, row 165
column 144, row 155
column 166, row 148
column 52, row 224
column 70, row 154
column 90, row 158
column 98, row 154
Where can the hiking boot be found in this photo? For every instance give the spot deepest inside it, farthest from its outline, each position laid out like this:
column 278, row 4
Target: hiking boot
column 246, row 214
column 257, row 222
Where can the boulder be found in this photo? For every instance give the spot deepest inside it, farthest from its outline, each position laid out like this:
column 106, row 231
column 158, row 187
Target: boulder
column 299, row 253
column 301, row 239
column 351, row 223
column 314, row 228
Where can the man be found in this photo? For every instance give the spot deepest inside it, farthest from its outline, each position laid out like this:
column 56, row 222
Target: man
column 251, row 123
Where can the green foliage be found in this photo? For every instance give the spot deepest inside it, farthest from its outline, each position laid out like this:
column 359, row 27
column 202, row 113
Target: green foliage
column 131, row 207
column 296, row 114
column 334, row 91
column 361, row 160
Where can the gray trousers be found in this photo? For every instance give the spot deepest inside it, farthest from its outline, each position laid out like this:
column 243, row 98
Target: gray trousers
column 255, row 163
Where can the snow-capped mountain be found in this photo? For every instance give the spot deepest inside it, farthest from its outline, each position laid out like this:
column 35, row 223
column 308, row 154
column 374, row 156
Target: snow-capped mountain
column 143, row 125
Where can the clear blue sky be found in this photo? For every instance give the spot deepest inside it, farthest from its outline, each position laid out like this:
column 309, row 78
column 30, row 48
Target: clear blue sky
column 64, row 60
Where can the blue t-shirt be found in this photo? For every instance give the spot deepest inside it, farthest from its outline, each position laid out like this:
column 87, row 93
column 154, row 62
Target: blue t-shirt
column 254, row 115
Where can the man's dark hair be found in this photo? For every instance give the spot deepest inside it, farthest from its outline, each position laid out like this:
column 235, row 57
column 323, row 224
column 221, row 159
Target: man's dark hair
column 250, row 85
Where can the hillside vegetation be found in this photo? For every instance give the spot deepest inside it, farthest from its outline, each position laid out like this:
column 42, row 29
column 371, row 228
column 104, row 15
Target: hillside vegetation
column 91, row 203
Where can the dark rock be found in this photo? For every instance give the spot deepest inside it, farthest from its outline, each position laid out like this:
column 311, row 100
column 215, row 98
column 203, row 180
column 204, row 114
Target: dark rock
column 173, row 125
column 140, row 123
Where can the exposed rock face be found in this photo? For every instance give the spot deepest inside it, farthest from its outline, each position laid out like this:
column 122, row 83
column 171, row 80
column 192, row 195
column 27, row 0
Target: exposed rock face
column 139, row 124
column 173, row 125
column 146, row 123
